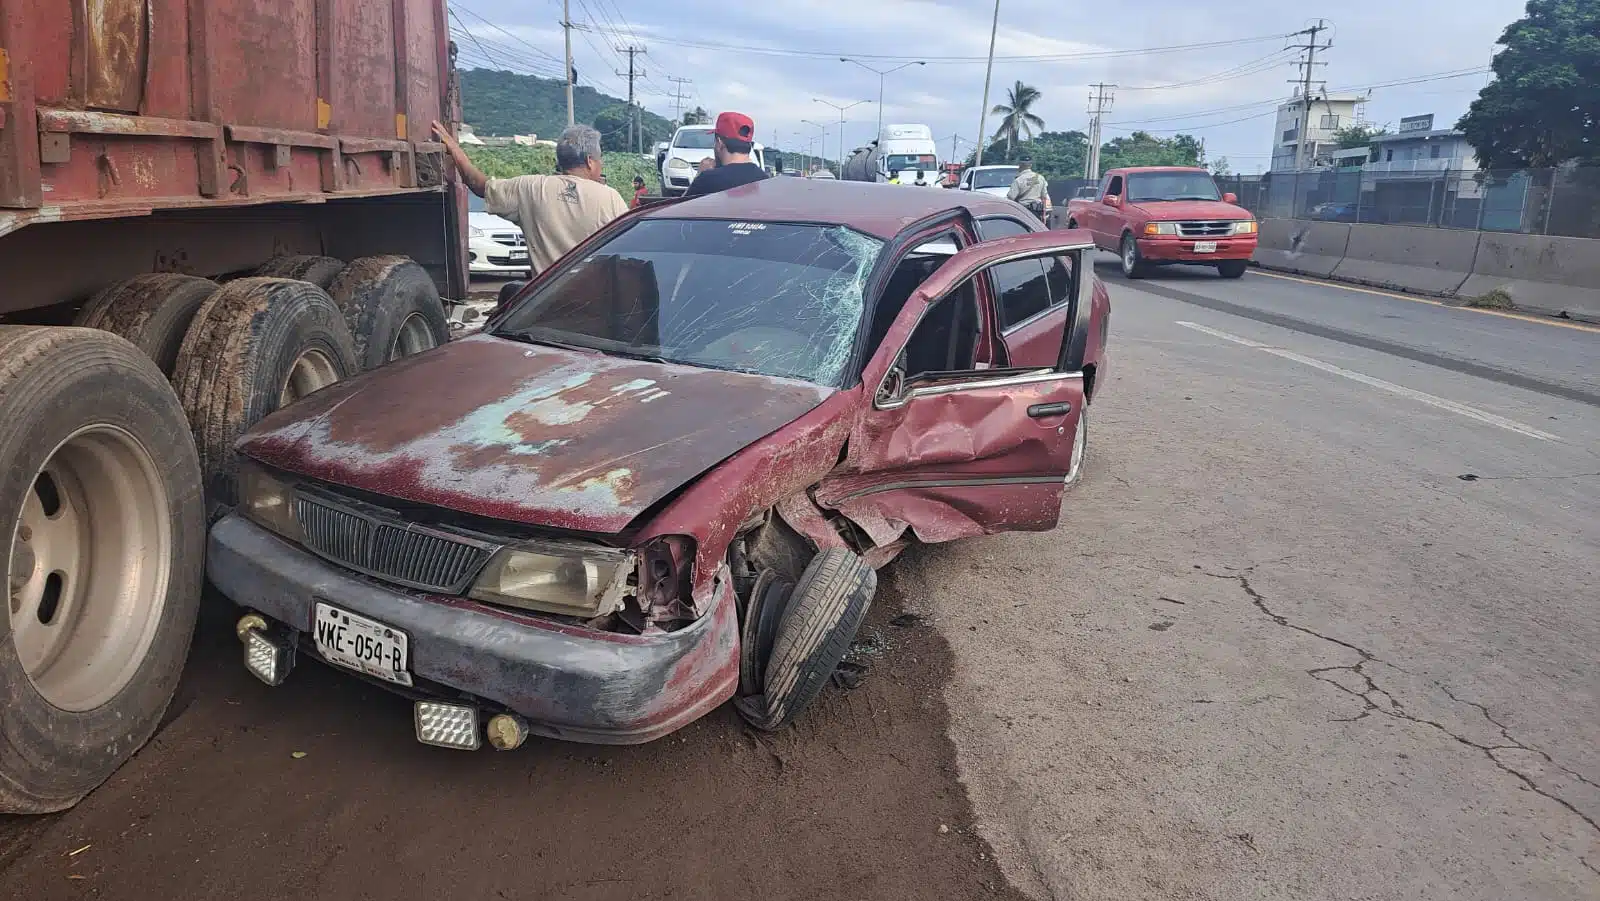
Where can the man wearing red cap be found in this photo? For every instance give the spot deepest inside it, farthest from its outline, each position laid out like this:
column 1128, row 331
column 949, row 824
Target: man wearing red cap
column 735, row 139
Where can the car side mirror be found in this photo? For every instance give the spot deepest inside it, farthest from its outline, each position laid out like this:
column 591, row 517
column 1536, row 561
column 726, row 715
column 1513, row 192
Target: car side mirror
column 894, row 385
column 1111, row 200
column 1230, row 197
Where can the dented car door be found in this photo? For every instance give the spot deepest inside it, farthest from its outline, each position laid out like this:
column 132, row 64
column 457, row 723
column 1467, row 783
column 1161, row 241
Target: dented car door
column 948, row 448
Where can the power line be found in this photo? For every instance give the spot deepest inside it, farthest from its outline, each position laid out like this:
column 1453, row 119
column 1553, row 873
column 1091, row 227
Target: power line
column 933, row 60
column 1260, row 64
column 1277, row 101
column 456, row 5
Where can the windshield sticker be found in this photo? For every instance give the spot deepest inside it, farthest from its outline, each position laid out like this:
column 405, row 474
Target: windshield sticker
column 745, row 228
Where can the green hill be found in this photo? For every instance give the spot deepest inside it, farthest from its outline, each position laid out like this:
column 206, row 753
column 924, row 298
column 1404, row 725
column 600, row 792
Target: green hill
column 505, row 103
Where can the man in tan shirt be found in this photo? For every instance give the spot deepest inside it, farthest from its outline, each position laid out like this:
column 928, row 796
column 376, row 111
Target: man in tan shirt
column 555, row 212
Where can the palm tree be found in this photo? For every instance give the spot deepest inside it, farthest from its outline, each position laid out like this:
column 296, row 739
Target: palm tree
column 1018, row 119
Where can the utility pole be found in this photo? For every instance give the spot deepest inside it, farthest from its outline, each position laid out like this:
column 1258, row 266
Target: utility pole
column 566, row 28
column 678, row 105
column 633, row 111
column 1307, row 66
column 983, row 114
column 1100, row 100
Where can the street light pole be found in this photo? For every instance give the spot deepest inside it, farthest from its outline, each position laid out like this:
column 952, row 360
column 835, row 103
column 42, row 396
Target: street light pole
column 841, row 110
column 821, row 138
column 882, row 74
column 983, row 114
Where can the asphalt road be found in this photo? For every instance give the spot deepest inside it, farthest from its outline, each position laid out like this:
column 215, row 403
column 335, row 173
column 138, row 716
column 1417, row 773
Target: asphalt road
column 1319, row 623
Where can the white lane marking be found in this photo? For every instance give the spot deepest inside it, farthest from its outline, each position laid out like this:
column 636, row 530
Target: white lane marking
column 1482, row 416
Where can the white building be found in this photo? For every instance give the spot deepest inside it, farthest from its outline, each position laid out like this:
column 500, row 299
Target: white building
column 1327, row 114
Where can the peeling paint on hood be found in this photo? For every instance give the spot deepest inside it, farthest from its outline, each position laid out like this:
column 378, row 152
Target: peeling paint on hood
column 525, row 433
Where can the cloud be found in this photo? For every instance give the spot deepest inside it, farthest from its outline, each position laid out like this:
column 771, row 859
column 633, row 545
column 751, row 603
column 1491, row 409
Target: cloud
column 744, row 58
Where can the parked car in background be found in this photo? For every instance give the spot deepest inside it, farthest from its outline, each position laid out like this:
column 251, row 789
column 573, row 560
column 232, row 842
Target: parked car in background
column 823, row 174
column 994, row 180
column 649, row 487
column 495, row 246
column 1165, row 215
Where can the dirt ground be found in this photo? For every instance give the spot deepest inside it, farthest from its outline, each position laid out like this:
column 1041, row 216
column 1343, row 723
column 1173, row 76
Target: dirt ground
column 222, row 804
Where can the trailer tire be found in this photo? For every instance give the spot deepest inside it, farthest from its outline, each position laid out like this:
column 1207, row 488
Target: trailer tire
column 153, row 311
column 318, row 270
column 823, row 614
column 392, row 308
column 257, row 345
column 101, row 488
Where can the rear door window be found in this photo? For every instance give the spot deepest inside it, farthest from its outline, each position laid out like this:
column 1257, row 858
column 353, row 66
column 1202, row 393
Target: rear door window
column 1022, row 288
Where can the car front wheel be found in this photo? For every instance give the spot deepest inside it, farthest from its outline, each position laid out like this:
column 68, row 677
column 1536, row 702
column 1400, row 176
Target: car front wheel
column 1132, row 263
column 1232, row 268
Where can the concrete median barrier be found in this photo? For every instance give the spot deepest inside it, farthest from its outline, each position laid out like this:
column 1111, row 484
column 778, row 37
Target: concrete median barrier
column 1425, row 260
column 1297, row 245
column 1558, row 276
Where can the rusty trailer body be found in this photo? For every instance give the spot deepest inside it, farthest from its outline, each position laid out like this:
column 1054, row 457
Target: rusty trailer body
column 206, row 136
column 236, row 203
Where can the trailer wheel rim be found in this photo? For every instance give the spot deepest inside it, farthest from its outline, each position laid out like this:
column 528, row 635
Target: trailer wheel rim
column 312, row 371
column 413, row 337
column 90, row 565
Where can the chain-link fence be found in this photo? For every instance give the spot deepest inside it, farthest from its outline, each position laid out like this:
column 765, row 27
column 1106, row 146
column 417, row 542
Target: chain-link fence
column 1563, row 201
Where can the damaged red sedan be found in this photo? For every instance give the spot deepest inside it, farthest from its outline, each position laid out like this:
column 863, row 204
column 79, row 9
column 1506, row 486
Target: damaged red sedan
column 664, row 475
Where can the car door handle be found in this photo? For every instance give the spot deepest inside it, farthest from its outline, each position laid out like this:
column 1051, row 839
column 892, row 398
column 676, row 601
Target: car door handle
column 1040, row 411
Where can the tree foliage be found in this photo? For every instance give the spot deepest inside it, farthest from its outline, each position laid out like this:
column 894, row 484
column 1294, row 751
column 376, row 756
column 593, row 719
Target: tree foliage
column 697, row 116
column 1056, row 154
column 508, row 162
column 506, row 103
column 612, row 123
column 1220, row 166
column 1352, row 136
column 1144, row 149
column 1543, row 106
column 1019, row 122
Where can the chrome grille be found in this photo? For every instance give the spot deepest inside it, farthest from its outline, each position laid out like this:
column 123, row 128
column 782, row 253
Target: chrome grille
column 400, row 552
column 1209, row 229
column 509, row 239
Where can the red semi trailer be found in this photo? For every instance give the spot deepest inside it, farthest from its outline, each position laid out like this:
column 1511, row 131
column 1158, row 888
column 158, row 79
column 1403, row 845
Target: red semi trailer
column 235, row 203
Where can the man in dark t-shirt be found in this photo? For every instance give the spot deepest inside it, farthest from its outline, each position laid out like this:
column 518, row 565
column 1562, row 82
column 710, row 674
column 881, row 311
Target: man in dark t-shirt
column 735, row 139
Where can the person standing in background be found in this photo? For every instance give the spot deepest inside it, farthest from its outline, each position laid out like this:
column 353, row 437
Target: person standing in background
column 639, row 190
column 735, row 141
column 555, row 212
column 1030, row 189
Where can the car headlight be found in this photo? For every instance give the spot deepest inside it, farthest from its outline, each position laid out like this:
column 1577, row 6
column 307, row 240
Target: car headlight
column 1161, row 228
column 676, row 163
column 1244, row 227
column 267, row 500
column 474, row 232
column 576, row 580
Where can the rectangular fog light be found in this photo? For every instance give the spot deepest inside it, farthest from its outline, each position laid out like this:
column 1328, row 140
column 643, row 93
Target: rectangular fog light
column 447, row 725
column 266, row 659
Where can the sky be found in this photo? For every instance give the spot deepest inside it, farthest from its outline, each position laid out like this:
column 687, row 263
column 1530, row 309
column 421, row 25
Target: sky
column 779, row 62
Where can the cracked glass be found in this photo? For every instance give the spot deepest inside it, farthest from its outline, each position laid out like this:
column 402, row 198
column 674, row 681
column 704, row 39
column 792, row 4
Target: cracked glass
column 772, row 298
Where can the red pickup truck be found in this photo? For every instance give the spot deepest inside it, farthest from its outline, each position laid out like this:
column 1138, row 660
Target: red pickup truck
column 1160, row 215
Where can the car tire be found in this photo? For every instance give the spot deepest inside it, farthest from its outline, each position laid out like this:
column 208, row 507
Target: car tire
column 153, row 311
column 257, row 345
column 824, row 611
column 1072, row 223
column 318, row 270
column 1232, row 268
column 91, row 430
column 391, row 307
column 1133, row 265
column 1080, row 449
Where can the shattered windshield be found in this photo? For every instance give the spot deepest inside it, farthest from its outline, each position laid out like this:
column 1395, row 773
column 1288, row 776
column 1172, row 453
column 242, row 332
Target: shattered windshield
column 777, row 299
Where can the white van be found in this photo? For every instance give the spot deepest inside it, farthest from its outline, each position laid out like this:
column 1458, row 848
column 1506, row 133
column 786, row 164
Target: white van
column 680, row 161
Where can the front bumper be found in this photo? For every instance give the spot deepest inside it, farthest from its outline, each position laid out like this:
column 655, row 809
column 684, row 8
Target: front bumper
column 1175, row 249
column 569, row 683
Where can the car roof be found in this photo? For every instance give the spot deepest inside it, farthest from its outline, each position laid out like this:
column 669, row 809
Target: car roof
column 1159, row 169
column 876, row 209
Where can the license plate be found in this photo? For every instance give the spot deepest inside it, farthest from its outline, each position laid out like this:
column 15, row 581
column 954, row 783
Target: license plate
column 364, row 645
column 1205, row 247
column 517, row 255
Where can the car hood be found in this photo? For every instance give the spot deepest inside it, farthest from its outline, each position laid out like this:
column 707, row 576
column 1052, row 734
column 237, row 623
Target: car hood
column 527, row 433
column 1163, row 210
column 997, row 192
column 490, row 222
